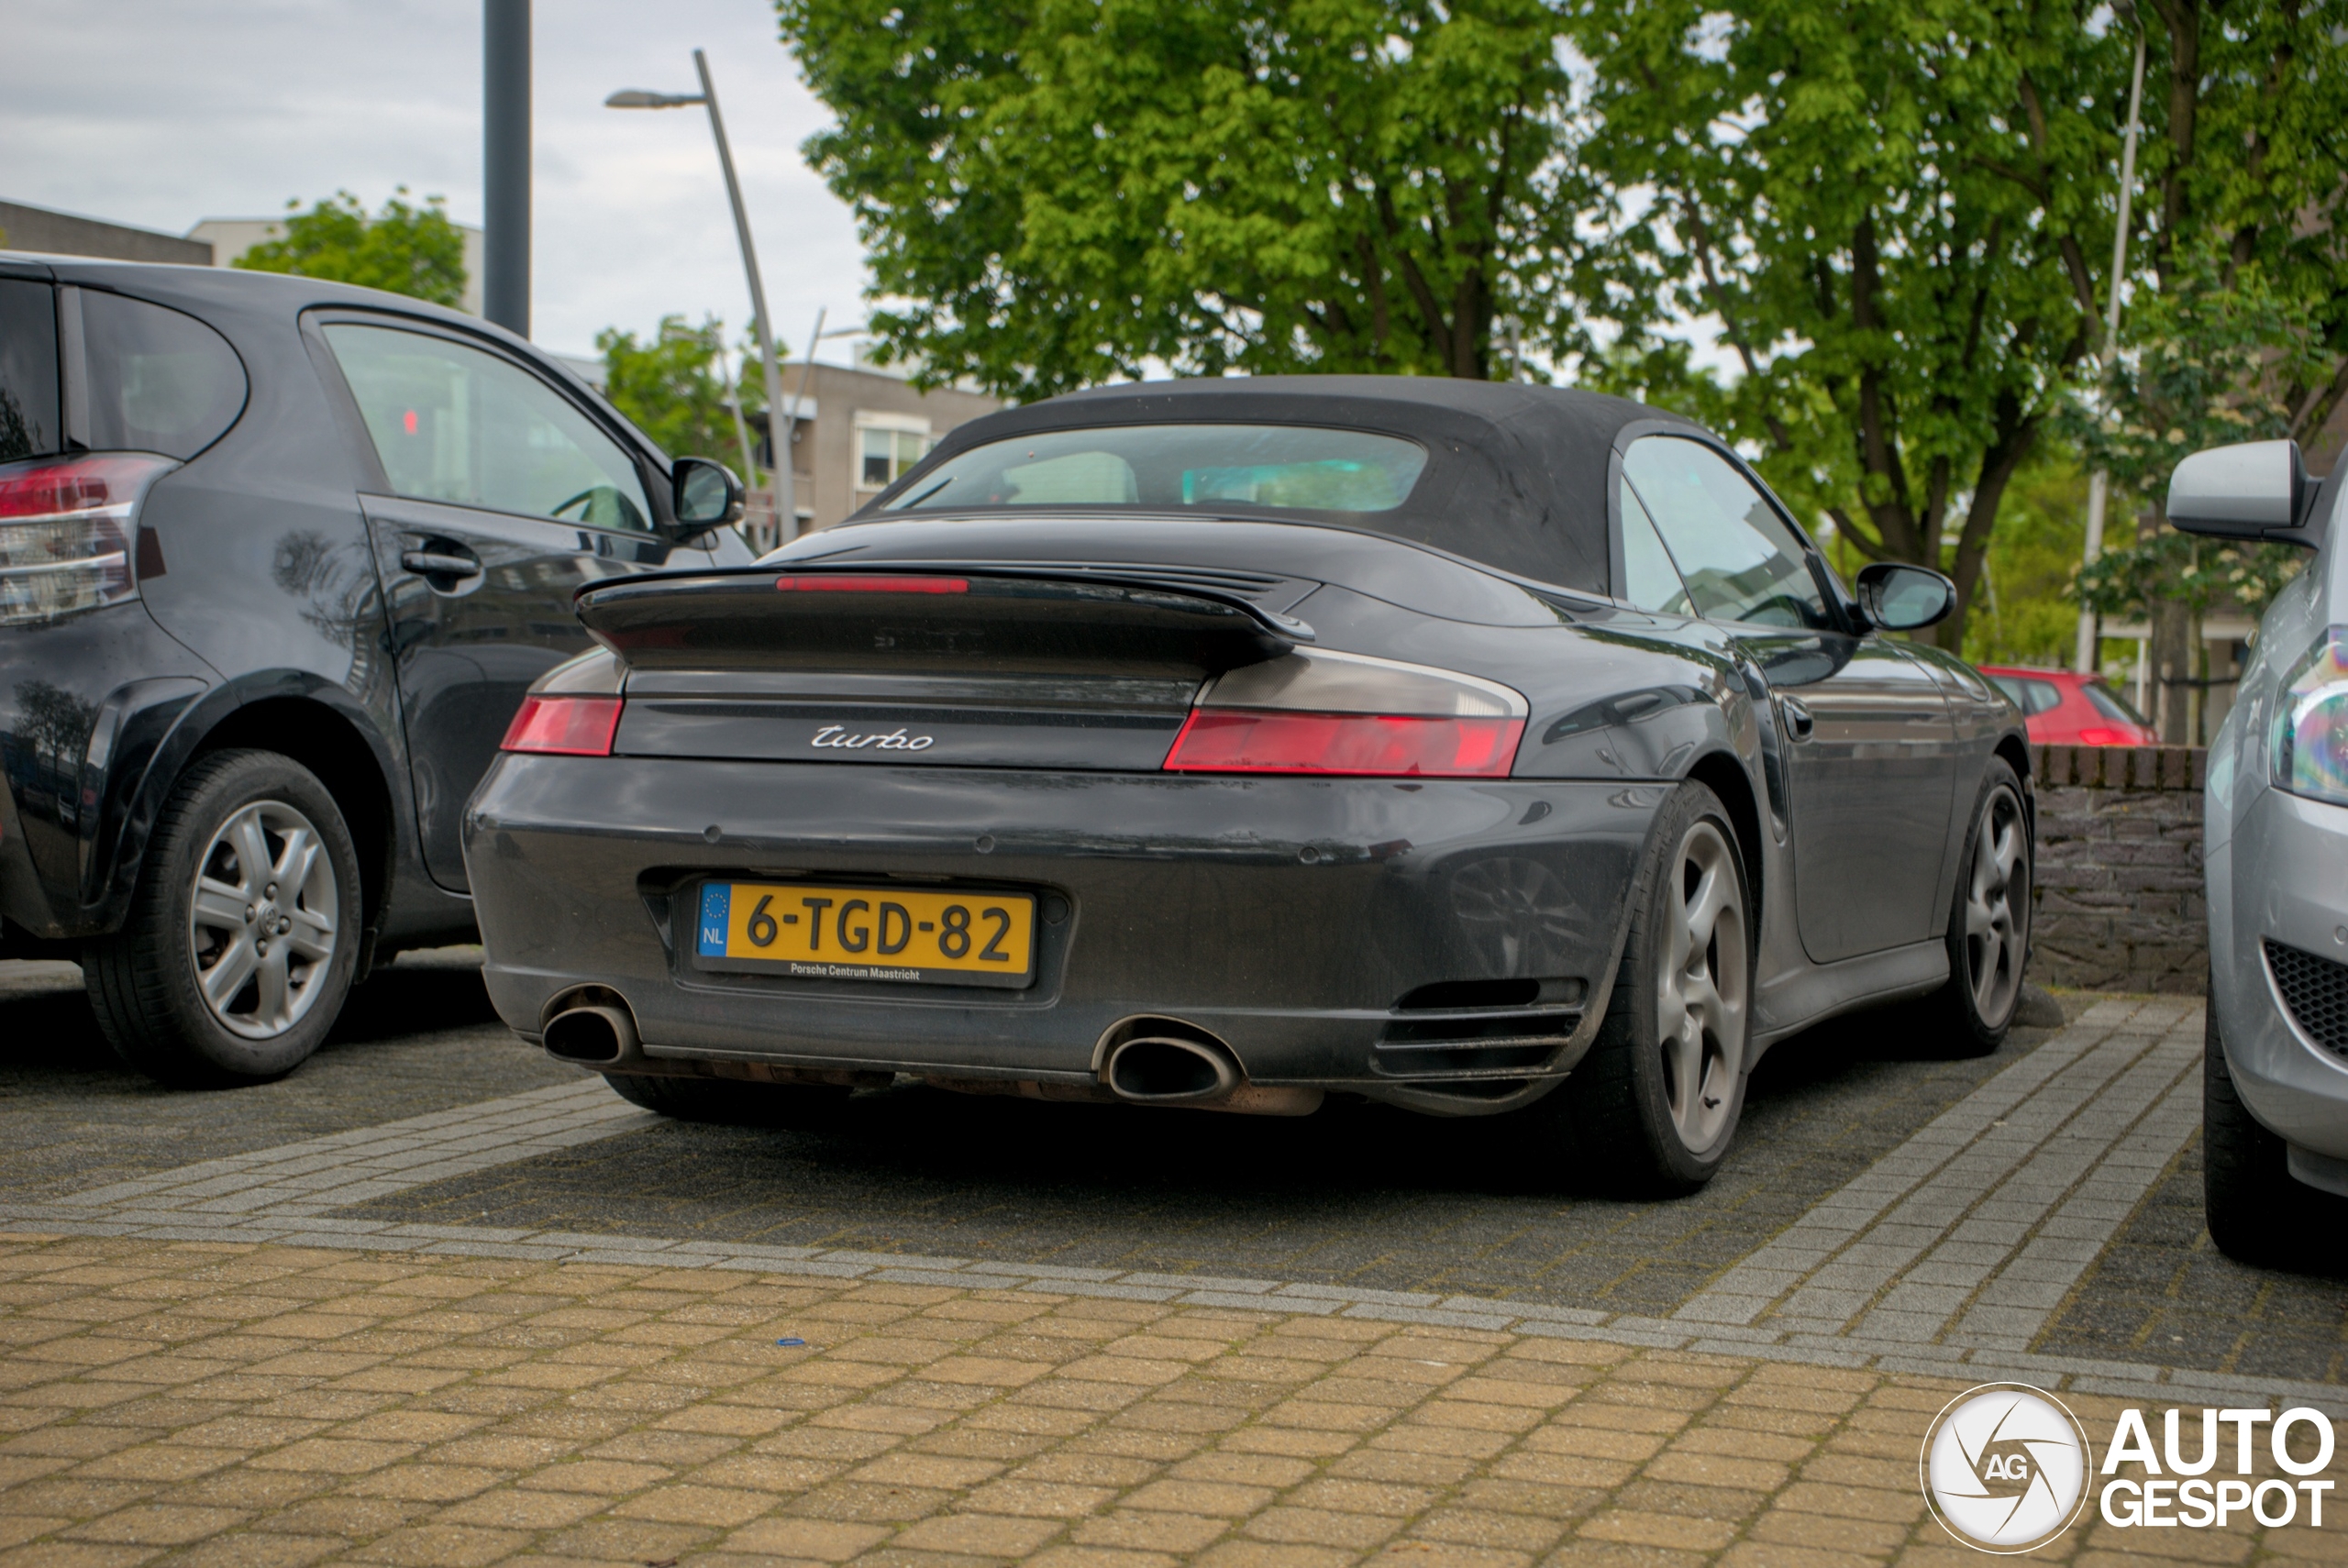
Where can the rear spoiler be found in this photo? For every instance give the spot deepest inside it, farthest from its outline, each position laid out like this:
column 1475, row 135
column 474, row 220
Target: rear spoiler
column 930, row 617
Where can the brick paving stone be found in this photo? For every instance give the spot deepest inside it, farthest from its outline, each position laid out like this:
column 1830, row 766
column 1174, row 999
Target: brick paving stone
column 1481, row 1449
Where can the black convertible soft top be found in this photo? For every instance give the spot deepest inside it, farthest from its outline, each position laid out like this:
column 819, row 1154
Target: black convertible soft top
column 1515, row 474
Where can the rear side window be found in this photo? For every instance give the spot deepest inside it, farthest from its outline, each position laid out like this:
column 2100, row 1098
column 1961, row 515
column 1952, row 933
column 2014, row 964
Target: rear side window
column 1649, row 580
column 462, row 425
column 2111, row 704
column 160, row 381
column 29, row 423
column 1739, row 561
column 2033, row 697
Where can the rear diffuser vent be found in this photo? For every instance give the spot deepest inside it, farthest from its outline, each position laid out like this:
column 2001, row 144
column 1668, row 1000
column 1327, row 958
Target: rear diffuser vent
column 1453, row 994
column 2316, row 990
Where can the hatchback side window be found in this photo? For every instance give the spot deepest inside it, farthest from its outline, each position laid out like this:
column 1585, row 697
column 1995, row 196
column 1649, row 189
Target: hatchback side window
column 1649, row 580
column 1739, row 561
column 29, row 409
column 465, row 426
column 158, row 380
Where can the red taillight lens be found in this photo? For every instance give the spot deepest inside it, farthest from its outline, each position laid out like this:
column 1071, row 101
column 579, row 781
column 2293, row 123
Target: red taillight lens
column 66, row 531
column 566, row 726
column 872, row 584
column 1240, row 740
column 2097, row 735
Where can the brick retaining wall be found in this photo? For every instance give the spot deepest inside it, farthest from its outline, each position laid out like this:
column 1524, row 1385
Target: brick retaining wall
column 2119, row 880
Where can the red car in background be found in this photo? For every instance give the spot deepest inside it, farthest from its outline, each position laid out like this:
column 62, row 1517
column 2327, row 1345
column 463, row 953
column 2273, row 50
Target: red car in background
column 2060, row 708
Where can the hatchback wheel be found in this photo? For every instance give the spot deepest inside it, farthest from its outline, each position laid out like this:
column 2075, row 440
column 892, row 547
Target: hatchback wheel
column 2253, row 1208
column 244, row 933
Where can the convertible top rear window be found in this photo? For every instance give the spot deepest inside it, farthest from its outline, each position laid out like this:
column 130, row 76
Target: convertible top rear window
column 1177, row 467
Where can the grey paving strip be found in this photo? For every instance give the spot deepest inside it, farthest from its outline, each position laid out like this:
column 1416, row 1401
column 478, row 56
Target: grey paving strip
column 1971, row 1233
column 1946, row 1258
column 308, row 1179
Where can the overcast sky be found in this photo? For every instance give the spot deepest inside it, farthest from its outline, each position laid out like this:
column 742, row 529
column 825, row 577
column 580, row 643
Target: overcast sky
column 160, row 113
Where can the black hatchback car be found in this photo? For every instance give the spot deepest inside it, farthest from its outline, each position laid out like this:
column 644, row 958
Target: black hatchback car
column 278, row 560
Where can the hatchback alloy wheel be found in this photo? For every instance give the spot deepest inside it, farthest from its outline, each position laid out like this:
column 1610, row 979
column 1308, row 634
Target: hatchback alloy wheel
column 262, row 925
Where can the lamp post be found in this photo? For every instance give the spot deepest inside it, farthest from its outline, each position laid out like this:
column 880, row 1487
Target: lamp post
column 505, row 163
column 2099, row 483
column 780, row 419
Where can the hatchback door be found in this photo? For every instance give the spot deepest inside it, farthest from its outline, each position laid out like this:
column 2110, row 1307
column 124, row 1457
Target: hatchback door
column 1871, row 758
column 499, row 497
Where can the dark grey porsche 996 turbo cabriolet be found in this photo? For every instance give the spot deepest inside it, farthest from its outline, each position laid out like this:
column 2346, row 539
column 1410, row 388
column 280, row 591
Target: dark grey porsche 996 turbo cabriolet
column 1487, row 750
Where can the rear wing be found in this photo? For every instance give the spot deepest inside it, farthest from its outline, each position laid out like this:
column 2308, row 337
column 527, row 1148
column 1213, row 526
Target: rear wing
column 933, row 619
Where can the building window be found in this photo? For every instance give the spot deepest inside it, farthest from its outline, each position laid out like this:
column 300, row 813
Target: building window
column 882, row 455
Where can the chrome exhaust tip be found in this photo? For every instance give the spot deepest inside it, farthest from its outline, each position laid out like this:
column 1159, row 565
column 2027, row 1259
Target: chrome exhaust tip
column 590, row 1036
column 1156, row 1069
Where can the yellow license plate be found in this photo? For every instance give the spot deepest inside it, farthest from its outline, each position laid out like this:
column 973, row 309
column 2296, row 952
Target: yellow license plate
column 868, row 933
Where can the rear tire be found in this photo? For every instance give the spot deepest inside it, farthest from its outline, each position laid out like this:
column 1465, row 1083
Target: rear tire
column 2253, row 1206
column 731, row 1102
column 1654, row 1104
column 1988, row 923
column 243, row 934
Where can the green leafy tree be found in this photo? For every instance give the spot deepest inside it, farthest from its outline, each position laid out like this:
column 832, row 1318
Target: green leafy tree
column 2240, row 329
column 1068, row 191
column 1888, row 208
column 2248, row 159
column 2217, row 355
column 406, row 249
column 670, row 387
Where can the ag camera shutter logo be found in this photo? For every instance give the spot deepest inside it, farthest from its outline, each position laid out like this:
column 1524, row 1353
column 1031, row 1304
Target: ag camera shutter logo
column 2005, row 1467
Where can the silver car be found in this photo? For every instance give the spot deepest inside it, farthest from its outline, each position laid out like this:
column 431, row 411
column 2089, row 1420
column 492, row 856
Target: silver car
column 2275, row 1086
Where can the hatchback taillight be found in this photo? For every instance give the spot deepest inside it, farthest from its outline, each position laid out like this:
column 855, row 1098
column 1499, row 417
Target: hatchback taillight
column 66, row 531
column 564, row 726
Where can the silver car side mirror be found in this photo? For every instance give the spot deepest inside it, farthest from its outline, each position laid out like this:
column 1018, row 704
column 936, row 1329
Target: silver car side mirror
column 2256, row 490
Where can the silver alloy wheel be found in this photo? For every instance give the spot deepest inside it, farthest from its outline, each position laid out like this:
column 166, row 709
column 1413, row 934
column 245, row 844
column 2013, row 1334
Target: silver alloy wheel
column 1703, row 988
column 1997, row 922
column 261, row 927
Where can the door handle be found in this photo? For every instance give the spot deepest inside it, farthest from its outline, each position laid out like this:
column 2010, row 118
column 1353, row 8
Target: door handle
column 1798, row 723
column 440, row 563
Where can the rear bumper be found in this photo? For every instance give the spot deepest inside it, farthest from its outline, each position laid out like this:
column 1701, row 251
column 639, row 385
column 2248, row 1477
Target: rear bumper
column 89, row 706
column 1286, row 916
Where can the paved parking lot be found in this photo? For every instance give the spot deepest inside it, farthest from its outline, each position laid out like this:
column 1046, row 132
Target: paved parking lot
column 1893, row 1227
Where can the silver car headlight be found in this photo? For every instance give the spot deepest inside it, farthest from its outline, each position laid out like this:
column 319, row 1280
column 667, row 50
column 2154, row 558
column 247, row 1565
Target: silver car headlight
column 2310, row 747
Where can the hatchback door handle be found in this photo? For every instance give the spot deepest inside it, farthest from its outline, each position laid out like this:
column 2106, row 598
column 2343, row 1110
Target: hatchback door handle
column 1798, row 720
column 436, row 563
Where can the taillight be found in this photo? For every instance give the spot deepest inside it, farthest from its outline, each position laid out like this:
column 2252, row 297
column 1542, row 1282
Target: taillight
column 564, row 726
column 1379, row 745
column 2096, row 735
column 1314, row 712
column 66, row 530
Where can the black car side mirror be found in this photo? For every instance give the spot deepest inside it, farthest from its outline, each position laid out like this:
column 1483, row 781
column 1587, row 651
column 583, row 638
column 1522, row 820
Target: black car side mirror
column 2254, row 490
column 1902, row 598
column 707, row 495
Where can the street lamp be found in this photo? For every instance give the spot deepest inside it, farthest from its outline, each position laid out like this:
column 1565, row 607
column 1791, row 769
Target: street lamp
column 779, row 420
column 2099, row 484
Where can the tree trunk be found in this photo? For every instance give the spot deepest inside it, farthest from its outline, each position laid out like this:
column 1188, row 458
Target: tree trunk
column 2172, row 669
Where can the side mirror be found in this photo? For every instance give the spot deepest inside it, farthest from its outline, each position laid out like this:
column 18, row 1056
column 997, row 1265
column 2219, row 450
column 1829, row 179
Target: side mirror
column 1901, row 598
column 2252, row 490
column 707, row 495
